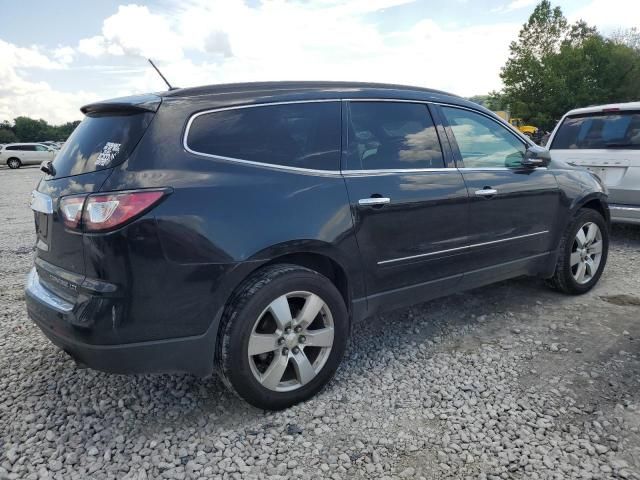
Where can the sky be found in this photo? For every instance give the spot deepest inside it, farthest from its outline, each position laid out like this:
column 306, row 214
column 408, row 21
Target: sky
column 56, row 56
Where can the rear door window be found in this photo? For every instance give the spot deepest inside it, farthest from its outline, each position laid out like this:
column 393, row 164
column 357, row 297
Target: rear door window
column 101, row 141
column 599, row 131
column 301, row 135
column 392, row 136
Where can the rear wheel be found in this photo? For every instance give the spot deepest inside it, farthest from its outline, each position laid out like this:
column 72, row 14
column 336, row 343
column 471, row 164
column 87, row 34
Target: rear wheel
column 14, row 163
column 583, row 253
column 282, row 336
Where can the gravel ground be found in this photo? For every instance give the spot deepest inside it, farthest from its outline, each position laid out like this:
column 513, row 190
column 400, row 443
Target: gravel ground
column 507, row 381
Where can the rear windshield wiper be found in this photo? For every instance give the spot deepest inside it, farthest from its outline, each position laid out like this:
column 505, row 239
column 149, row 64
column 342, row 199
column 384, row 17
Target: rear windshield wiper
column 618, row 144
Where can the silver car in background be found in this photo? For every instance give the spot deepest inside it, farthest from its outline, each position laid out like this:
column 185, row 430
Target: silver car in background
column 606, row 140
column 17, row 154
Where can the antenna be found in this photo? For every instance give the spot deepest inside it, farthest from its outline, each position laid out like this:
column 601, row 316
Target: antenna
column 161, row 75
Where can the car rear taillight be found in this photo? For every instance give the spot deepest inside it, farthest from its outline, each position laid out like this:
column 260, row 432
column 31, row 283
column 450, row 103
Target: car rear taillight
column 107, row 211
column 71, row 208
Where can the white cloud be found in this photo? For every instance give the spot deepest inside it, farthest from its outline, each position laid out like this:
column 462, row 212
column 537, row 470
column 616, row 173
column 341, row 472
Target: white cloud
column 326, row 40
column 64, row 54
column 609, row 14
column 514, row 5
column 20, row 96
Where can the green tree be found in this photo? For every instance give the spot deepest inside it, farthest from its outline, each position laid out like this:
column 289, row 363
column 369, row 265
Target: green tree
column 555, row 66
column 30, row 130
column 7, row 135
column 629, row 37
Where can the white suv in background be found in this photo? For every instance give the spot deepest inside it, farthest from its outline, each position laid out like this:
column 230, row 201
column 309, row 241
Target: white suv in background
column 606, row 140
column 17, row 154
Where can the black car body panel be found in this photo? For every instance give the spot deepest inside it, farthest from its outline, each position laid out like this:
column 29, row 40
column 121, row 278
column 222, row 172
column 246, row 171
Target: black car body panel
column 148, row 296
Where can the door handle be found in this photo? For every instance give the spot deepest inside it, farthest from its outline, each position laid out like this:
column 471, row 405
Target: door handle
column 486, row 192
column 373, row 201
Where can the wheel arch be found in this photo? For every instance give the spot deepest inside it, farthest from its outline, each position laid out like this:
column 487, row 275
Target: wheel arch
column 595, row 201
column 321, row 263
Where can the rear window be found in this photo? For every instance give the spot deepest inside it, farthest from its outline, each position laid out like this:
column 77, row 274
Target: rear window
column 597, row 131
column 302, row 135
column 101, row 141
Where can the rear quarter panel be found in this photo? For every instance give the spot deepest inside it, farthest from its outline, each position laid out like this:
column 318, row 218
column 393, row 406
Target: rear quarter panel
column 225, row 219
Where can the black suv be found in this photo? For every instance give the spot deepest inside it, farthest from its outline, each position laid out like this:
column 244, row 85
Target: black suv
column 243, row 228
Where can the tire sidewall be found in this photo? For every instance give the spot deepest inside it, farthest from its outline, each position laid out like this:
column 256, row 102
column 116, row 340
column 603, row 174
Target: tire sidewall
column 585, row 216
column 14, row 163
column 235, row 360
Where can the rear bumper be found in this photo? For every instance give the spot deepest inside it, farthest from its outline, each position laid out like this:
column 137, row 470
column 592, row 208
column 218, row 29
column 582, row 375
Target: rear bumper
column 625, row 213
column 53, row 314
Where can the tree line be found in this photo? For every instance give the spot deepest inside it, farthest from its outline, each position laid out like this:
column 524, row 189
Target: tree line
column 25, row 129
column 555, row 66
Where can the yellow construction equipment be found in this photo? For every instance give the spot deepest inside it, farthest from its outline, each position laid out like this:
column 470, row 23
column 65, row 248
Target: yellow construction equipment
column 528, row 130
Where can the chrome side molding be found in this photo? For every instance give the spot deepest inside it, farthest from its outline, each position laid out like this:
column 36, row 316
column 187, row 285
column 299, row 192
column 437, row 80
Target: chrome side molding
column 466, row 247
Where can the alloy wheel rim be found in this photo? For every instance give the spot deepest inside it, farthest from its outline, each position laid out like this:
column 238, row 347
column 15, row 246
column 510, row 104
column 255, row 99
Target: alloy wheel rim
column 290, row 341
column 586, row 253
column 13, row 163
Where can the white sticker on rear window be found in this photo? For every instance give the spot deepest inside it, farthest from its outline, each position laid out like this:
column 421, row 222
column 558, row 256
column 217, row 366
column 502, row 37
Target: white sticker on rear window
column 108, row 154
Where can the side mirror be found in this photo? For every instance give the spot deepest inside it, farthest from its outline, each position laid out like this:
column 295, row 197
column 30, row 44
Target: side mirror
column 47, row 167
column 536, row 156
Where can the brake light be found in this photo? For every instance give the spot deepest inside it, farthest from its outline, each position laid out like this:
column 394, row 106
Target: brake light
column 100, row 212
column 71, row 208
column 104, row 212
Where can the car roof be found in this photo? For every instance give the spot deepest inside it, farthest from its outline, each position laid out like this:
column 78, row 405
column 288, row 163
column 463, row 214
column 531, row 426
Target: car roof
column 294, row 86
column 24, row 143
column 267, row 92
column 602, row 108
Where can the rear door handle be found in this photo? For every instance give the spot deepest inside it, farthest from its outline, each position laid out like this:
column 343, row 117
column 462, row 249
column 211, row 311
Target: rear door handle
column 486, row 192
column 374, row 201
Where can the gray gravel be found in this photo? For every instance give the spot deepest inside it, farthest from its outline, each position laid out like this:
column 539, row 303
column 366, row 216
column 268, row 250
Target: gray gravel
column 507, row 381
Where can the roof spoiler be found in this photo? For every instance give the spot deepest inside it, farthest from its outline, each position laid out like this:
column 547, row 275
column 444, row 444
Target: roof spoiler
column 133, row 104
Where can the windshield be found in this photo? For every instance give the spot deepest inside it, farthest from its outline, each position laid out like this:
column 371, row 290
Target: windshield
column 101, row 141
column 599, row 130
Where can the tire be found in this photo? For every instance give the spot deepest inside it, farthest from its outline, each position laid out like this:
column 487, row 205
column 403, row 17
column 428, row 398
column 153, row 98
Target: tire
column 567, row 276
column 278, row 376
column 14, row 163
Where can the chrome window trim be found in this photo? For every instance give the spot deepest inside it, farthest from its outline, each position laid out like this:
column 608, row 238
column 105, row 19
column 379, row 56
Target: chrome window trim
column 466, row 247
column 484, row 169
column 393, row 171
column 331, row 173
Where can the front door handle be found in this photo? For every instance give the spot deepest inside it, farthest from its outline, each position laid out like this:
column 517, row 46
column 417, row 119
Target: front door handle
column 486, row 192
column 373, row 201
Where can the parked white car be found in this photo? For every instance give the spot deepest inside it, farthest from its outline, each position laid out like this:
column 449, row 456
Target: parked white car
column 17, row 154
column 606, row 140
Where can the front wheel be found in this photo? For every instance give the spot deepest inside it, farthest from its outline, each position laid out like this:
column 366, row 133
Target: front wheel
column 583, row 253
column 282, row 336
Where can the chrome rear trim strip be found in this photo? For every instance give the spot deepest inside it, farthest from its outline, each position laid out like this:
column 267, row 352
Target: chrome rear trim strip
column 36, row 290
column 457, row 249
